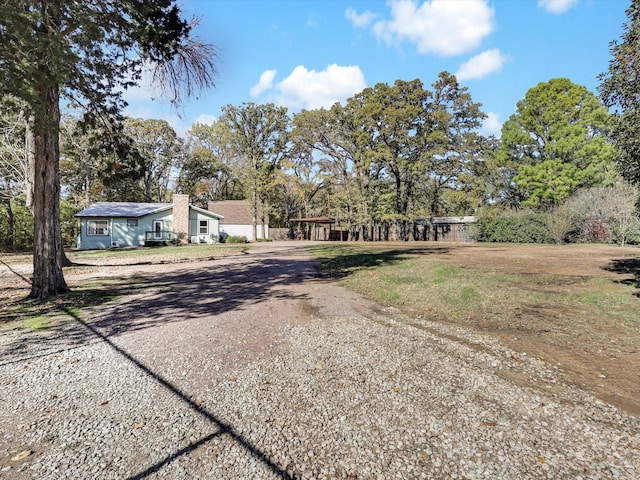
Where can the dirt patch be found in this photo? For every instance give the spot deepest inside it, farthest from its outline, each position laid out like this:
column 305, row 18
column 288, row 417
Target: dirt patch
column 590, row 351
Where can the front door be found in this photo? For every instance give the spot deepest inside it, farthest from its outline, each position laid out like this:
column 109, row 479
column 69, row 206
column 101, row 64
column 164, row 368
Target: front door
column 157, row 229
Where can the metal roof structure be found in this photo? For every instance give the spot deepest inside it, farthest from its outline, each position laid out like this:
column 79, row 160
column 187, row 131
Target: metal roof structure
column 313, row 220
column 122, row 209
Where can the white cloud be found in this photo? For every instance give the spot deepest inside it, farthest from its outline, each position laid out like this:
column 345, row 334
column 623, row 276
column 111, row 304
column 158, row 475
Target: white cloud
column 360, row 20
column 205, row 119
column 439, row 27
column 265, row 83
column 144, row 91
column 310, row 89
column 557, row 7
column 178, row 123
column 481, row 65
column 491, row 125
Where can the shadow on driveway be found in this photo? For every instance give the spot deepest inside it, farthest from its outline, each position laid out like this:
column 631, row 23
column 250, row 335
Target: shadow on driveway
column 146, row 300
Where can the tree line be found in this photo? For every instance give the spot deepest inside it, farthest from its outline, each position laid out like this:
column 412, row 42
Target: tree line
column 382, row 164
column 389, row 158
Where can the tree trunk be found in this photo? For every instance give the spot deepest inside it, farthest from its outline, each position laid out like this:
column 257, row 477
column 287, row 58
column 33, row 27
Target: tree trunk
column 48, row 254
column 254, row 199
column 263, row 208
column 30, row 145
column 254, row 213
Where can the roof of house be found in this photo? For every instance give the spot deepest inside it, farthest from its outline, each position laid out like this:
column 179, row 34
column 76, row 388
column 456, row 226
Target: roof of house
column 235, row 212
column 122, row 209
column 207, row 212
column 133, row 210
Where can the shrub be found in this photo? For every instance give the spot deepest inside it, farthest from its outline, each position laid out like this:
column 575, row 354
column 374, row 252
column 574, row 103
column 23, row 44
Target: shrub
column 236, row 239
column 510, row 228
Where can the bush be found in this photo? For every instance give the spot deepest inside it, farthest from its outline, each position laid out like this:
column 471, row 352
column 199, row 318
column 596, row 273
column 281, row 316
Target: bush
column 236, row 239
column 524, row 228
column 16, row 217
column 630, row 237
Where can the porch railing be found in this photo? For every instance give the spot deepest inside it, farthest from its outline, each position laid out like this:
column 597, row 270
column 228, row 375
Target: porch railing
column 163, row 237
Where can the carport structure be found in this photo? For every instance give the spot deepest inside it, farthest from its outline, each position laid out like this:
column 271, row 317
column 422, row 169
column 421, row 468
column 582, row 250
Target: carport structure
column 314, row 228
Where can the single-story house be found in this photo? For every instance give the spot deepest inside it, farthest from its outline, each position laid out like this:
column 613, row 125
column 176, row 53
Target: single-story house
column 127, row 224
column 238, row 220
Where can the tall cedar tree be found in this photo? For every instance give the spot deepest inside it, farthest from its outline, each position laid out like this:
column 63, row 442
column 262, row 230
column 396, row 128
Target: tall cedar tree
column 88, row 52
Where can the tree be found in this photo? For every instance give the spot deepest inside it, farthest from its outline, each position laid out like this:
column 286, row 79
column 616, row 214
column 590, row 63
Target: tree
column 453, row 150
column 394, row 126
column 606, row 213
column 307, row 176
column 86, row 154
column 154, row 153
column 89, row 52
column 258, row 133
column 556, row 143
column 622, row 209
column 13, row 164
column 210, row 168
column 336, row 137
column 619, row 88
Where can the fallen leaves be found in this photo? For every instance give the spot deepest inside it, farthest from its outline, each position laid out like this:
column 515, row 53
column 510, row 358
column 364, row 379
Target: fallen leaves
column 22, row 455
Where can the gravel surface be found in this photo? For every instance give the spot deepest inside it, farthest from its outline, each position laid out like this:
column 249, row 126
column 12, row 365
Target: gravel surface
column 256, row 368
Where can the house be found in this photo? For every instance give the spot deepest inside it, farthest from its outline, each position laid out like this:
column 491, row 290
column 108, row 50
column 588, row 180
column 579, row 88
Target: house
column 238, row 220
column 124, row 224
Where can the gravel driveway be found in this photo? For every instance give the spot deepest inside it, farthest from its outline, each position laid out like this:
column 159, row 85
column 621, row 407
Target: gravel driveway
column 253, row 367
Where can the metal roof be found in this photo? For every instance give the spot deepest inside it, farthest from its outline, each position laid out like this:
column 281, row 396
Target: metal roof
column 313, row 220
column 467, row 219
column 122, row 209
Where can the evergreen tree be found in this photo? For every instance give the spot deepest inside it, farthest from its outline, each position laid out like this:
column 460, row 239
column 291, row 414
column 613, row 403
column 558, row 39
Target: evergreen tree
column 556, row 143
column 89, row 52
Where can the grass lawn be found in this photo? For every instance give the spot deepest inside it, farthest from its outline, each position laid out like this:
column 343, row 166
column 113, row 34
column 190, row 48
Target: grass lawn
column 494, row 290
column 577, row 307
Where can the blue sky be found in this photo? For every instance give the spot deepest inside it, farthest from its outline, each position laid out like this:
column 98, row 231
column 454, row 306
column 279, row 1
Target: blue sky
column 312, row 53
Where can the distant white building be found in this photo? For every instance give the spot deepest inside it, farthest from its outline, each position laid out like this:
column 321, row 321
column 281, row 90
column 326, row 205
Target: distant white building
column 237, row 220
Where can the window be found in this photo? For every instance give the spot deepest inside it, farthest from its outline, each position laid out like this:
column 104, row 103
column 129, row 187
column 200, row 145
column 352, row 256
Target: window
column 132, row 222
column 97, row 227
column 203, row 227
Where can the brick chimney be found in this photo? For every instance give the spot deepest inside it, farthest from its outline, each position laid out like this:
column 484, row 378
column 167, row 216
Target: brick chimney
column 181, row 217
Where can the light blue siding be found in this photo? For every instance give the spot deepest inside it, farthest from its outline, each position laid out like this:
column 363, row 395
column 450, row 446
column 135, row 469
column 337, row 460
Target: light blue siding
column 213, row 223
column 120, row 234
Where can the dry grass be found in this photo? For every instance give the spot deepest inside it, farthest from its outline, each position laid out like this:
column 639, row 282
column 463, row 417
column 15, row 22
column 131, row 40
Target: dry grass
column 492, row 292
